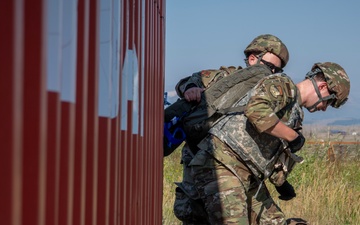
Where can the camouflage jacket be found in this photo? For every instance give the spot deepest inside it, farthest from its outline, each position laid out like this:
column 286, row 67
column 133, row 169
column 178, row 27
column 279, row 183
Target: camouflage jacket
column 274, row 98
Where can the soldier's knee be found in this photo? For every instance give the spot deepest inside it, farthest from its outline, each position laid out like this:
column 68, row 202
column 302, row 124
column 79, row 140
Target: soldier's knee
column 226, row 202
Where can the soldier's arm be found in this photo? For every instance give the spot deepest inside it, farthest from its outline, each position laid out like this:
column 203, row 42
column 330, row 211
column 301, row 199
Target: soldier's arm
column 280, row 130
column 268, row 98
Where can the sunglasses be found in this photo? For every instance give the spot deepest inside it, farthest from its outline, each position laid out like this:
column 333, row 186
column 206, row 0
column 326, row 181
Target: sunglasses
column 272, row 67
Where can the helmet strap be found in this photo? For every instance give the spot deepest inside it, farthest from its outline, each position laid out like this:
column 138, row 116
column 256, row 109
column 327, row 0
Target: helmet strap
column 259, row 58
column 313, row 107
column 310, row 75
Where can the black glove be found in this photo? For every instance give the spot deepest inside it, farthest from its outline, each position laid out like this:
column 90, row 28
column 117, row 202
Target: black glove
column 296, row 144
column 286, row 191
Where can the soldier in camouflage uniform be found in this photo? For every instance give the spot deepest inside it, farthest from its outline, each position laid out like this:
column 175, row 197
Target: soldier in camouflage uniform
column 265, row 49
column 242, row 150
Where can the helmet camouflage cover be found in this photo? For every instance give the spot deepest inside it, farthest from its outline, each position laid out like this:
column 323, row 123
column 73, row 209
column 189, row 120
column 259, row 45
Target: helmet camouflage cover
column 269, row 43
column 337, row 80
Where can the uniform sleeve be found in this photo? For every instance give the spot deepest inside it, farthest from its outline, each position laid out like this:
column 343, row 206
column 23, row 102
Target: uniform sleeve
column 268, row 97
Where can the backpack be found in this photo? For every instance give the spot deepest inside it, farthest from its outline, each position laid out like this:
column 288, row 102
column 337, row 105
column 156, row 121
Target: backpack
column 190, row 122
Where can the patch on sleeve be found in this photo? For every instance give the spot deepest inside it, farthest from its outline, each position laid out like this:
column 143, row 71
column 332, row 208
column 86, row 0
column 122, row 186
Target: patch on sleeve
column 276, row 90
column 205, row 73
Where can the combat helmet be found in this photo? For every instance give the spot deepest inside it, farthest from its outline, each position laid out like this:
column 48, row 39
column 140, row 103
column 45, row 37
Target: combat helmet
column 337, row 80
column 269, row 43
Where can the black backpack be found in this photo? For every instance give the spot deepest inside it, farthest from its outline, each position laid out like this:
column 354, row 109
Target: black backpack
column 191, row 122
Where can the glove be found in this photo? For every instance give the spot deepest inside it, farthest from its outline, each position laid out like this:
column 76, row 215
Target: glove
column 296, row 144
column 286, row 191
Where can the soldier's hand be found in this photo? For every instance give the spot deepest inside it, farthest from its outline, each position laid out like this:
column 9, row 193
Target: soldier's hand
column 296, row 144
column 193, row 94
column 286, row 191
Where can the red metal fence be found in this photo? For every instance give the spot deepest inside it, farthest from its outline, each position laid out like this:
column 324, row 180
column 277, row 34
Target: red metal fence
column 81, row 108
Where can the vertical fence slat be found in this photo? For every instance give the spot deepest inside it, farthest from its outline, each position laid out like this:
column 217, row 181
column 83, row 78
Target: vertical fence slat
column 81, row 114
column 92, row 118
column 34, row 117
column 53, row 159
column 11, row 100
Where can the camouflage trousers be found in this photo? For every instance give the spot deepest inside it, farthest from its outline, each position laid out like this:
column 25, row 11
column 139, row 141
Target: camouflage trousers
column 188, row 206
column 221, row 190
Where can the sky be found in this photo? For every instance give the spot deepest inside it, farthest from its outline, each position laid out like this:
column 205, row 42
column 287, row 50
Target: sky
column 206, row 34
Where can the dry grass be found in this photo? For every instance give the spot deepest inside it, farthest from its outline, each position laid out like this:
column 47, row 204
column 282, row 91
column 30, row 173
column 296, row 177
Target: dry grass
column 327, row 192
column 172, row 173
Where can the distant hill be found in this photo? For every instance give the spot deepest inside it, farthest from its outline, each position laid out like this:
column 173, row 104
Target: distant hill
column 334, row 122
column 346, row 122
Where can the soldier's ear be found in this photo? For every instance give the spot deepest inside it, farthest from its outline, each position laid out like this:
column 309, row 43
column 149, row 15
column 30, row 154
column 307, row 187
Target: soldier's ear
column 322, row 85
column 252, row 59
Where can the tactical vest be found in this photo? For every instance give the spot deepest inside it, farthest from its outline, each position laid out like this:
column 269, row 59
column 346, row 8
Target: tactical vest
column 195, row 121
column 259, row 151
column 204, row 78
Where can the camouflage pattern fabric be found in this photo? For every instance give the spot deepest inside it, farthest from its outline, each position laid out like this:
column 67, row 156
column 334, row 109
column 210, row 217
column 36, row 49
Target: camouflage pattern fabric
column 268, row 43
column 204, row 78
column 274, row 98
column 269, row 100
column 188, row 210
column 219, row 99
column 228, row 190
column 226, row 170
column 337, row 80
column 187, row 206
